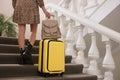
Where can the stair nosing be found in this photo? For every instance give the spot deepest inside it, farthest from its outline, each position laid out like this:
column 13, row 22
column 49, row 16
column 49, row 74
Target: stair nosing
column 14, row 54
column 67, row 76
column 34, row 64
column 14, row 45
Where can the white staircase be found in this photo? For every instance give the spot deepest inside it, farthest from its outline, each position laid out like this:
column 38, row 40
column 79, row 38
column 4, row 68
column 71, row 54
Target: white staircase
column 78, row 18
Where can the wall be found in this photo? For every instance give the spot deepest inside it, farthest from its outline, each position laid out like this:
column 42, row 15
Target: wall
column 113, row 20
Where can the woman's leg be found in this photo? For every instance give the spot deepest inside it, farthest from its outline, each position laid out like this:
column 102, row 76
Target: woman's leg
column 27, row 57
column 33, row 33
column 21, row 35
column 21, row 41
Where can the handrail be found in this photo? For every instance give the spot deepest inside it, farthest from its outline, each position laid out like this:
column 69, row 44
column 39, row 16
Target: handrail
column 115, row 36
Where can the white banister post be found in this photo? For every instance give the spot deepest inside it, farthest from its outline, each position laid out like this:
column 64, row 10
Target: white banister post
column 70, row 40
column 61, row 2
column 74, row 6
column 64, row 3
column 80, row 46
column 93, row 55
column 91, row 4
column 93, row 51
column 108, row 75
column 81, row 9
column 62, row 27
column 108, row 61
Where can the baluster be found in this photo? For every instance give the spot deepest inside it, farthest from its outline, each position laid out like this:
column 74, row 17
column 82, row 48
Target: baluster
column 91, row 4
column 81, row 9
column 108, row 62
column 108, row 75
column 80, row 46
column 93, row 55
column 70, row 40
column 73, row 6
column 77, row 23
column 64, row 3
column 55, row 15
column 62, row 27
column 61, row 2
column 93, row 52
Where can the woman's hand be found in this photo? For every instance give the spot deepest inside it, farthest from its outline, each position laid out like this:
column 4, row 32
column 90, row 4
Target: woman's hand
column 46, row 12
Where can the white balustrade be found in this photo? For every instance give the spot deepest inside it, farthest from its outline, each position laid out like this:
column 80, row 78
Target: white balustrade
column 65, row 16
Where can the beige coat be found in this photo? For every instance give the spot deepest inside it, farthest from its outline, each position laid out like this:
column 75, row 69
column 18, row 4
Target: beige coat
column 26, row 11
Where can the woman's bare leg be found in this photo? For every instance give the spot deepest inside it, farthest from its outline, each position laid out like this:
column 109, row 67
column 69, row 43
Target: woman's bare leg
column 33, row 33
column 21, row 35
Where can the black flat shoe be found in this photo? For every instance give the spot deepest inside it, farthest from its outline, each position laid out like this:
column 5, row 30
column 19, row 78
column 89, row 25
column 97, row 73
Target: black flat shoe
column 26, row 57
column 21, row 61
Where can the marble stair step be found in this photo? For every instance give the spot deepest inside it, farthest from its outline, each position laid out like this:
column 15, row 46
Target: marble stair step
column 16, row 70
column 9, row 58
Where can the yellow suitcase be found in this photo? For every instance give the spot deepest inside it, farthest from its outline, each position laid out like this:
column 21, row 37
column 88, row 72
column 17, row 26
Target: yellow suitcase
column 51, row 57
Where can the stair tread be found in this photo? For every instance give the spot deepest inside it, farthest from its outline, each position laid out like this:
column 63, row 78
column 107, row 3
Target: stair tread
column 18, row 54
column 14, row 58
column 31, row 69
column 13, row 54
column 12, row 45
column 18, row 65
column 64, row 77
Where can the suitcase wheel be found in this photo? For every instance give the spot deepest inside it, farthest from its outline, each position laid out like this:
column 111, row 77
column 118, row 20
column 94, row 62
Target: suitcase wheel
column 61, row 74
column 46, row 75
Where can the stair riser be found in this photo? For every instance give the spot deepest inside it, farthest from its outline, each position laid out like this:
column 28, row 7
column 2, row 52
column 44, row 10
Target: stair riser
column 18, row 71
column 9, row 49
column 27, row 70
column 14, row 49
column 14, row 41
column 15, row 59
column 52, row 78
column 6, row 40
column 5, row 59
